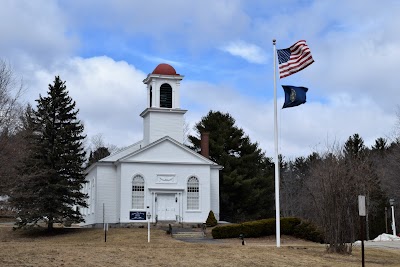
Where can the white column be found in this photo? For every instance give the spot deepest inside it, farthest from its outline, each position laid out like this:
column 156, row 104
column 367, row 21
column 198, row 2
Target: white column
column 175, row 95
column 156, row 94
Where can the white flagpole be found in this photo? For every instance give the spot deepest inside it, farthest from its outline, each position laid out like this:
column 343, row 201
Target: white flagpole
column 277, row 209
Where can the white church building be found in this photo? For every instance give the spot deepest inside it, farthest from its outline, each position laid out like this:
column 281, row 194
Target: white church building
column 158, row 175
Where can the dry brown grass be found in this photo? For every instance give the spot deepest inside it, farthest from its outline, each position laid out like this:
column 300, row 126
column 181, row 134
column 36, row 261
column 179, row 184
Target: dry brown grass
column 129, row 247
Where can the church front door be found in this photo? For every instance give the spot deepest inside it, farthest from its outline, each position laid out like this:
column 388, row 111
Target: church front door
column 167, row 208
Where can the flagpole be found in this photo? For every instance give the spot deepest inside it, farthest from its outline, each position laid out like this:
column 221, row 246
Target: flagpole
column 277, row 208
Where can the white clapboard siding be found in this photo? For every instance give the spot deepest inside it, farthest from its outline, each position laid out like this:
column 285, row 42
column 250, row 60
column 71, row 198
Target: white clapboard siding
column 160, row 122
column 214, row 191
column 107, row 191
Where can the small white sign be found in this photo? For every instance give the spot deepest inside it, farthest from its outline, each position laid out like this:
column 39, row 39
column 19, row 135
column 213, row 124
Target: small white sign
column 166, row 179
column 361, row 206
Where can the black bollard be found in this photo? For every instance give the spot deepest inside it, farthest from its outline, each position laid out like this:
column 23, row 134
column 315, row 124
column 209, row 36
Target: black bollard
column 241, row 236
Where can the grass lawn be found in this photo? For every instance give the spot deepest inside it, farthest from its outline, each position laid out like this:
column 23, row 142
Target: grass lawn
column 129, row 247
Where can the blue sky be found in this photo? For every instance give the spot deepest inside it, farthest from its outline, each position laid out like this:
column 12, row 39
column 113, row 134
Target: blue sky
column 104, row 49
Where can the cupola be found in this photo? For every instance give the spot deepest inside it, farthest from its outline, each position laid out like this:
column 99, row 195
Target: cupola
column 163, row 115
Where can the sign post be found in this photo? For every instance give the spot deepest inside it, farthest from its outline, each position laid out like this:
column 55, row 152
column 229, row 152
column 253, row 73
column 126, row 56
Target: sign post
column 105, row 231
column 393, row 219
column 105, row 225
column 362, row 212
column 148, row 226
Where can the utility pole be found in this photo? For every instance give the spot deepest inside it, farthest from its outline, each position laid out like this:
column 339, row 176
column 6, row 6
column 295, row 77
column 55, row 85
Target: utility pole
column 362, row 213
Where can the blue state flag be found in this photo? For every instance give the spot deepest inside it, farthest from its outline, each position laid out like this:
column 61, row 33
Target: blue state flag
column 294, row 95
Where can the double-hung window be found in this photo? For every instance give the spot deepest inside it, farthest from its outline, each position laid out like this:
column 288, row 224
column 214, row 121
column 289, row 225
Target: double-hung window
column 138, row 192
column 193, row 193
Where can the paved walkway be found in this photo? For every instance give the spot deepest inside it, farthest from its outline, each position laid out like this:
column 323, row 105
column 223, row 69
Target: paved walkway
column 382, row 244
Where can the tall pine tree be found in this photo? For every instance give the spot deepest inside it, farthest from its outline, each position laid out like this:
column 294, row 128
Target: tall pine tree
column 246, row 182
column 52, row 175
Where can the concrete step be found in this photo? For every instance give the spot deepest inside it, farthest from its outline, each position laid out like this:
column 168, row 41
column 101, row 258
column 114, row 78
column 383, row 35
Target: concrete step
column 188, row 235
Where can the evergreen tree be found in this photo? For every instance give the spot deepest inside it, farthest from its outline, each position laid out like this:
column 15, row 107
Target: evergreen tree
column 52, row 175
column 354, row 147
column 246, row 182
column 97, row 155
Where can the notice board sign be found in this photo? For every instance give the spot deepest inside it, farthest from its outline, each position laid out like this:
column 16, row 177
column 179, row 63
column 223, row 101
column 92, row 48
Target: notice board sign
column 361, row 206
column 137, row 215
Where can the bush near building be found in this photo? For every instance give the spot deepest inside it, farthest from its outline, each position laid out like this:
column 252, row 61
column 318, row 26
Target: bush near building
column 289, row 226
column 211, row 220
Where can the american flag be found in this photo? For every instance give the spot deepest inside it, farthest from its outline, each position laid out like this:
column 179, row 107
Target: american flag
column 294, row 58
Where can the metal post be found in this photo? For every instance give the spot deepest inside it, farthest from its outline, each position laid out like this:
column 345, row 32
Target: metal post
column 104, row 225
column 362, row 213
column 105, row 231
column 393, row 218
column 393, row 222
column 386, row 226
column 277, row 208
column 148, row 227
column 362, row 221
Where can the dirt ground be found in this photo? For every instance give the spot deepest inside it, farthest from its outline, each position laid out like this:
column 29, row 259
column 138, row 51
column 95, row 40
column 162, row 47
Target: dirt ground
column 129, row 247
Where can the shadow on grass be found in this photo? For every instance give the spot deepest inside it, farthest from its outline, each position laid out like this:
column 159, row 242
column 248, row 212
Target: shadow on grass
column 37, row 232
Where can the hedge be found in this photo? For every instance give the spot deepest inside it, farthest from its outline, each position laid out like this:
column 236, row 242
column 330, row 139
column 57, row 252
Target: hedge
column 289, row 226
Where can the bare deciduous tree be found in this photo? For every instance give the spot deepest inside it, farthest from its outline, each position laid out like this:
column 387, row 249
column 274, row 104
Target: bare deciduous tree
column 327, row 188
column 11, row 90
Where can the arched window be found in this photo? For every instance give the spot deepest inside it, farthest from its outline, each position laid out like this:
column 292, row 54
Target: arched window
column 165, row 96
column 193, row 193
column 138, row 192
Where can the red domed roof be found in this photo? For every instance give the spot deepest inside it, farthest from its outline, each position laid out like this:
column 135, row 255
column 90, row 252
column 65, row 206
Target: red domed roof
column 164, row 69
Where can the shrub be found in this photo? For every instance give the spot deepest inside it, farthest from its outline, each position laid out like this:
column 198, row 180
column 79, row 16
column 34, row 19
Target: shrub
column 227, row 231
column 211, row 221
column 307, row 231
column 289, row 226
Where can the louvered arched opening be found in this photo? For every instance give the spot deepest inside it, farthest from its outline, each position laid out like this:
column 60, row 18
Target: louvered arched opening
column 151, row 96
column 166, row 96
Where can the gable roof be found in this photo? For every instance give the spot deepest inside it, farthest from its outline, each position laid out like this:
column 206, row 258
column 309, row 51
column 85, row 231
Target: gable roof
column 123, row 152
column 163, row 150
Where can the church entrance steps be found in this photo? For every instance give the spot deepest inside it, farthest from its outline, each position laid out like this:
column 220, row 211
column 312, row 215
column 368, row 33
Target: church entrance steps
column 183, row 231
column 188, row 235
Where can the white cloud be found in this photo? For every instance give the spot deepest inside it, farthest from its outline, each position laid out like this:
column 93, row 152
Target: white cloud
column 354, row 47
column 34, row 32
column 313, row 126
column 249, row 52
column 170, row 24
column 109, row 94
column 302, row 129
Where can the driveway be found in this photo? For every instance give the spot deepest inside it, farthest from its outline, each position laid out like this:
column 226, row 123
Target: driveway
column 382, row 244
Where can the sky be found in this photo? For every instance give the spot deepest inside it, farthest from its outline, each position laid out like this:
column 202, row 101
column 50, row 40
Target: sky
column 104, row 49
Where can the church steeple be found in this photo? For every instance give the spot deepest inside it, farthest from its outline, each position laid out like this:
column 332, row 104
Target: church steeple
column 163, row 116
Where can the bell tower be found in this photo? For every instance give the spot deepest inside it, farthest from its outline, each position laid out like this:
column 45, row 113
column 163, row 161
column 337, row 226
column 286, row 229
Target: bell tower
column 163, row 116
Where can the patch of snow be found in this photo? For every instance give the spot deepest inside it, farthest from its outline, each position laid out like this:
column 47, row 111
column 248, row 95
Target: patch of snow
column 387, row 237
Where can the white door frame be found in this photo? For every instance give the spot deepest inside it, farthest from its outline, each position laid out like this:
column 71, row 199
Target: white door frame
column 177, row 193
